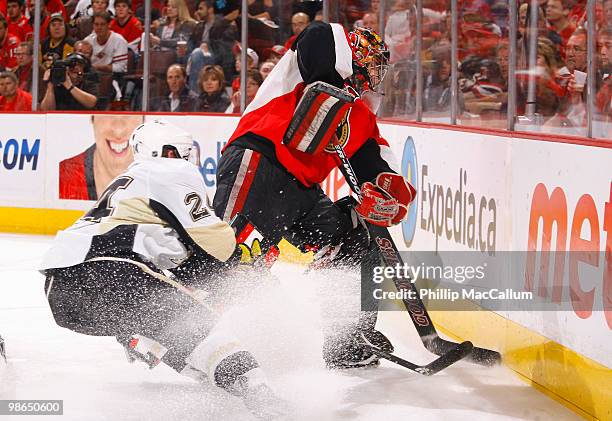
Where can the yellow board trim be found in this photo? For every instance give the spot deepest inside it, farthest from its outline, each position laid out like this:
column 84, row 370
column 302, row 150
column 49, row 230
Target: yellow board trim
column 570, row 378
column 36, row 221
column 574, row 380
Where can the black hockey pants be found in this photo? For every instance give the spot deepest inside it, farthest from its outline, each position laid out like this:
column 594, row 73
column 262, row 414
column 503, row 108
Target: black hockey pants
column 114, row 298
column 250, row 183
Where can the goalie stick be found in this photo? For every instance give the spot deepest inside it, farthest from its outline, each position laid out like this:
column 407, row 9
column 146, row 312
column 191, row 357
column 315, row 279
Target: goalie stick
column 415, row 307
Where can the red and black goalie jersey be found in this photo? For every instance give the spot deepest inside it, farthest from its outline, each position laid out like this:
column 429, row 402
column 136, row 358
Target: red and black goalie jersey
column 321, row 53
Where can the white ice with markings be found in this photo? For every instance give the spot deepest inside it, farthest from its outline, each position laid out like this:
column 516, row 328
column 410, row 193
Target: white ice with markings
column 92, row 377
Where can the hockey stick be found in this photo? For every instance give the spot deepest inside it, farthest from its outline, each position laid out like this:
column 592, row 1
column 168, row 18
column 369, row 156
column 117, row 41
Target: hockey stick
column 415, row 307
column 458, row 352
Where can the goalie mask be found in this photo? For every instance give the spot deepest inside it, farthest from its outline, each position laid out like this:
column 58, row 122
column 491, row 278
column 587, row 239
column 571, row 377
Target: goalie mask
column 160, row 139
column 370, row 59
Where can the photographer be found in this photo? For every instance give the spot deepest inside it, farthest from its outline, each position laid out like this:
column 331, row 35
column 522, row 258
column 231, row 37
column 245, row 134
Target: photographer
column 66, row 85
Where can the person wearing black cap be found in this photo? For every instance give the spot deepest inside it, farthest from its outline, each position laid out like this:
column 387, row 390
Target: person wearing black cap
column 57, row 42
column 74, row 93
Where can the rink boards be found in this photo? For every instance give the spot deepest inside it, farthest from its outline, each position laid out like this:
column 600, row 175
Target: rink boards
column 479, row 192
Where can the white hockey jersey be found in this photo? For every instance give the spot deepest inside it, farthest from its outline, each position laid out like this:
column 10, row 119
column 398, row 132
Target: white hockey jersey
column 113, row 52
column 157, row 209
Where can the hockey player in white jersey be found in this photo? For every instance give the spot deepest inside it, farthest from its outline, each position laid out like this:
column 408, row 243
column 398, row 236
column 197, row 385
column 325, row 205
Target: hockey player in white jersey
column 129, row 267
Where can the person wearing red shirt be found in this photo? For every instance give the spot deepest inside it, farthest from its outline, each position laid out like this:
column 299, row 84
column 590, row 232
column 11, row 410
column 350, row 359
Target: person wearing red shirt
column 50, row 7
column 124, row 23
column 8, row 45
column 557, row 15
column 13, row 99
column 18, row 24
column 23, row 71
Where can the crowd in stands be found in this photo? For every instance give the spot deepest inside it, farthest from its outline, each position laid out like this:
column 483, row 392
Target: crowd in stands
column 91, row 54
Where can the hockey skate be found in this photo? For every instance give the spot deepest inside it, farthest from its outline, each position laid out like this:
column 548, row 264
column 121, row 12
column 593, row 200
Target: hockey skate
column 260, row 399
column 141, row 348
column 349, row 350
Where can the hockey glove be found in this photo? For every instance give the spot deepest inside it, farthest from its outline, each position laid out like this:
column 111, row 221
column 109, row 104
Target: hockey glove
column 386, row 201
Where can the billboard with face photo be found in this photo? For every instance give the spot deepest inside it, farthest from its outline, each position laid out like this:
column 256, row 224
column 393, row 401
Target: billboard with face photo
column 84, row 175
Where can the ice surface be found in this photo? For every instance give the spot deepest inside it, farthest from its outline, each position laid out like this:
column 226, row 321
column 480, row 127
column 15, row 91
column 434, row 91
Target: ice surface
column 279, row 324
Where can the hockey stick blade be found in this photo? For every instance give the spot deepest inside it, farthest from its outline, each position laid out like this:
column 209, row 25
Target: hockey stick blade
column 481, row 356
column 457, row 353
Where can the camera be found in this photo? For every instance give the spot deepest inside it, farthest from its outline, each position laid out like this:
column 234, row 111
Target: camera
column 58, row 71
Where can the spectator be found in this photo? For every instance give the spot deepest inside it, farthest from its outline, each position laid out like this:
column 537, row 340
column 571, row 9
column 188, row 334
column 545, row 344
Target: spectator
column 436, row 92
column 13, row 98
column 603, row 100
column 223, row 36
column 206, row 18
column 548, row 91
column 44, row 17
column 8, row 45
column 92, row 76
column 398, row 31
column 274, row 53
column 74, row 93
column 85, row 48
column 83, row 24
column 57, row 42
column 607, row 13
column 177, row 25
column 299, row 21
column 199, row 43
column 48, row 8
column 199, row 58
column 252, row 64
column 572, row 111
column 604, row 45
column 109, row 48
column 265, row 68
column 557, row 12
column 180, row 98
column 24, row 65
column 254, row 81
column 524, row 28
column 18, row 24
column 483, row 93
column 86, row 8
column 125, row 24
column 370, row 20
column 214, row 98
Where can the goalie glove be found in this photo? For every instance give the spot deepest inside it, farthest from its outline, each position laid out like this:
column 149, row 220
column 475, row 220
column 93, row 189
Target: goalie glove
column 385, row 202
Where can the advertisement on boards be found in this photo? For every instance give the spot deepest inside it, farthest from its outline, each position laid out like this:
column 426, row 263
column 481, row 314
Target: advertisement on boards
column 96, row 149
column 22, row 160
column 562, row 218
